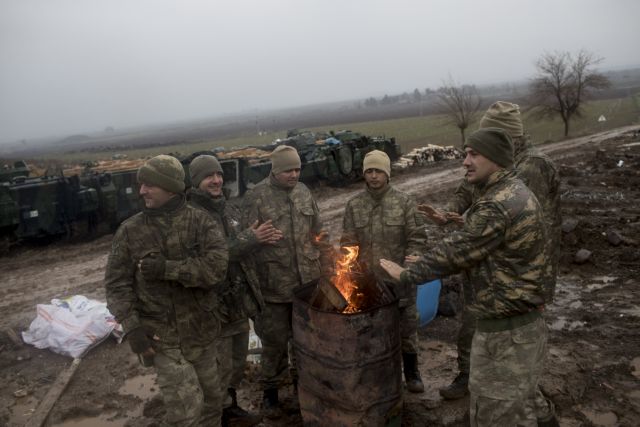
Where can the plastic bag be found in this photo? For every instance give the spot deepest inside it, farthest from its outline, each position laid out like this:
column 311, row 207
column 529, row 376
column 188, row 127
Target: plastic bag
column 71, row 326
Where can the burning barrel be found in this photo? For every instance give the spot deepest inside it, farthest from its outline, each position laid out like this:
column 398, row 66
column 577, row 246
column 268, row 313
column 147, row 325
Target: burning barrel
column 349, row 364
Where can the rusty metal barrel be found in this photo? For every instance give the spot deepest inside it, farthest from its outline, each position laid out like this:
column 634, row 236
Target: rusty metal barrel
column 349, row 365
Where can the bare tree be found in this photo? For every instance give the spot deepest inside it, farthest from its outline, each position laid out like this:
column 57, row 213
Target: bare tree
column 461, row 104
column 563, row 83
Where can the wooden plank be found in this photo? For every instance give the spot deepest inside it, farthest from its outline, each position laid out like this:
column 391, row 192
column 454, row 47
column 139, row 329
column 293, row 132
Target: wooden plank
column 52, row 396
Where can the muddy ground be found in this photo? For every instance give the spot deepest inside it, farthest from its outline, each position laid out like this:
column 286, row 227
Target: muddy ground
column 593, row 366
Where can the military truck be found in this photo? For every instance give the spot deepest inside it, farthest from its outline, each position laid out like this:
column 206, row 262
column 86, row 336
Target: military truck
column 334, row 157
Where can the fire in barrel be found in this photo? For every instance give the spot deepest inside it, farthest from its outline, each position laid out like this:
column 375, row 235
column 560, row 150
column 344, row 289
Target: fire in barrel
column 347, row 347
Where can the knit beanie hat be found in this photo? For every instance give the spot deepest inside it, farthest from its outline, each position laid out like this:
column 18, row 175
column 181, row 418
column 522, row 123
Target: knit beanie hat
column 494, row 144
column 201, row 167
column 503, row 115
column 284, row 158
column 377, row 159
column 163, row 171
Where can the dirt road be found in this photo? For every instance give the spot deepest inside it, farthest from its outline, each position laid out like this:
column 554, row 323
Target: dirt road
column 593, row 369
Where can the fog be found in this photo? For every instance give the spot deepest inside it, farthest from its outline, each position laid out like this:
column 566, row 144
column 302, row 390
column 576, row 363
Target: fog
column 72, row 66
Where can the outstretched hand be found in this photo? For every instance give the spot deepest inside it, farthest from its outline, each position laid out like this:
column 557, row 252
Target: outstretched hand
column 266, row 233
column 439, row 216
column 394, row 270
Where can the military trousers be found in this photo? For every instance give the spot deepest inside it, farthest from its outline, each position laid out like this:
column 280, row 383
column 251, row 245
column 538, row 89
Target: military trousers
column 190, row 388
column 505, row 369
column 465, row 338
column 273, row 326
column 409, row 326
column 233, row 360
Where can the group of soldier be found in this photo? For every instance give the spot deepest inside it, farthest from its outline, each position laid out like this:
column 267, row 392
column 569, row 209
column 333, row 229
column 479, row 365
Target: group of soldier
column 186, row 274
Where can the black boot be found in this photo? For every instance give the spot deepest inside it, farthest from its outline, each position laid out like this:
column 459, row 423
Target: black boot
column 271, row 405
column 458, row 389
column 235, row 416
column 411, row 373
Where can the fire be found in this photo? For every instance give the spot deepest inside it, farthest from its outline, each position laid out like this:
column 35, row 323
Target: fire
column 343, row 281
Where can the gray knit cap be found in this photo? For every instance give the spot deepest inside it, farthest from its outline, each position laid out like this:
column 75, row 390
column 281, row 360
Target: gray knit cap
column 503, row 115
column 163, row 171
column 203, row 166
column 493, row 143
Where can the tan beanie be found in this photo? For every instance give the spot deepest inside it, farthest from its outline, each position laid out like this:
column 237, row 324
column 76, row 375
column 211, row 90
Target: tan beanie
column 163, row 171
column 284, row 158
column 377, row 159
column 503, row 115
column 203, row 166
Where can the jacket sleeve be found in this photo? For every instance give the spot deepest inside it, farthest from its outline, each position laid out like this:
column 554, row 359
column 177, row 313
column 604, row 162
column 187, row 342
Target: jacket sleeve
column 483, row 231
column 242, row 244
column 327, row 253
column 206, row 265
column 349, row 236
column 462, row 198
column 415, row 231
column 122, row 300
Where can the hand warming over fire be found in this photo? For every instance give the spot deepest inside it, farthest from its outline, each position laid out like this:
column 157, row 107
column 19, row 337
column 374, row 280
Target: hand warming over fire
column 266, row 232
column 393, row 269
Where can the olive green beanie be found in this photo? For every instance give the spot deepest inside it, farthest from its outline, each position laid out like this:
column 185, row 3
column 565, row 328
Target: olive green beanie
column 493, row 143
column 284, row 158
column 503, row 115
column 377, row 159
column 203, row 166
column 163, row 171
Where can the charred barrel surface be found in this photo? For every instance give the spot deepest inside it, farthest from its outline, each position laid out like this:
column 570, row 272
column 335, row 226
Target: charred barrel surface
column 348, row 364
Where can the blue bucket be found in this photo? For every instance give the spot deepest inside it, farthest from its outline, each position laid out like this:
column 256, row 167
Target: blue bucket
column 427, row 300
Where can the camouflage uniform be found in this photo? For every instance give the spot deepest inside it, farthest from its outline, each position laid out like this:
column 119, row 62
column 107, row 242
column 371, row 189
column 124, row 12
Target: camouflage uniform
column 239, row 295
column 180, row 309
column 294, row 260
column 502, row 248
column 385, row 224
column 541, row 176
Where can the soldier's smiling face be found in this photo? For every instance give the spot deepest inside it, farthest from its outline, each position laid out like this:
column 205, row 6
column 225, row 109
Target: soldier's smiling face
column 375, row 178
column 478, row 166
column 212, row 184
column 154, row 197
column 288, row 178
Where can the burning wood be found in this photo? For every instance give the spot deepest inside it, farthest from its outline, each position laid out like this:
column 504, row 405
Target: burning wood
column 351, row 289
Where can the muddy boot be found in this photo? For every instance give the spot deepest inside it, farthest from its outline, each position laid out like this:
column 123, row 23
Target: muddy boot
column 549, row 420
column 411, row 373
column 270, row 404
column 458, row 389
column 235, row 416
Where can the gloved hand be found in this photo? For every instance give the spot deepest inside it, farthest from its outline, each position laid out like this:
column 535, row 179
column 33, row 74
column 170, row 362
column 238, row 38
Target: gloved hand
column 152, row 267
column 140, row 339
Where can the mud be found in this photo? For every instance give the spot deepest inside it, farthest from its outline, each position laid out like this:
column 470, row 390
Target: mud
column 593, row 366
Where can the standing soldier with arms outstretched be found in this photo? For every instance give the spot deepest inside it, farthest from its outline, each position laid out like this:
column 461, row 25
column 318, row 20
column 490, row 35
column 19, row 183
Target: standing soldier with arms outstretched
column 301, row 256
column 384, row 223
column 161, row 281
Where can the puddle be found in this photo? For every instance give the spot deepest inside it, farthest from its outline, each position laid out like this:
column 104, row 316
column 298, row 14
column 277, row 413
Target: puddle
column 143, row 386
column 22, row 410
column 562, row 323
column 603, row 419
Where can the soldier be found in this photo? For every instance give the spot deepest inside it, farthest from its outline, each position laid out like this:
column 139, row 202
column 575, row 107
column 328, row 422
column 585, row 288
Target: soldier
column 240, row 294
column 502, row 247
column 384, row 223
column 538, row 173
column 301, row 256
column 161, row 280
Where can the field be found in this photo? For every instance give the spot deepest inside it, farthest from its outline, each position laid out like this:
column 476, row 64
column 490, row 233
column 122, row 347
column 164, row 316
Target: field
column 410, row 132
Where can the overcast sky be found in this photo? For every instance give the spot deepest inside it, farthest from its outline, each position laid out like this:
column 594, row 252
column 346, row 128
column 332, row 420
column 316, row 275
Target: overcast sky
column 70, row 66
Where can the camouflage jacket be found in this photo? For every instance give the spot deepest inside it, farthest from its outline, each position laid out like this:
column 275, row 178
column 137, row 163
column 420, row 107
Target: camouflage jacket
column 298, row 258
column 384, row 225
column 501, row 246
column 540, row 174
column 239, row 296
column 180, row 308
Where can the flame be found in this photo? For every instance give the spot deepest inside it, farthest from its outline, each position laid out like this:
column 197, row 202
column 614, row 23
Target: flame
column 342, row 279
